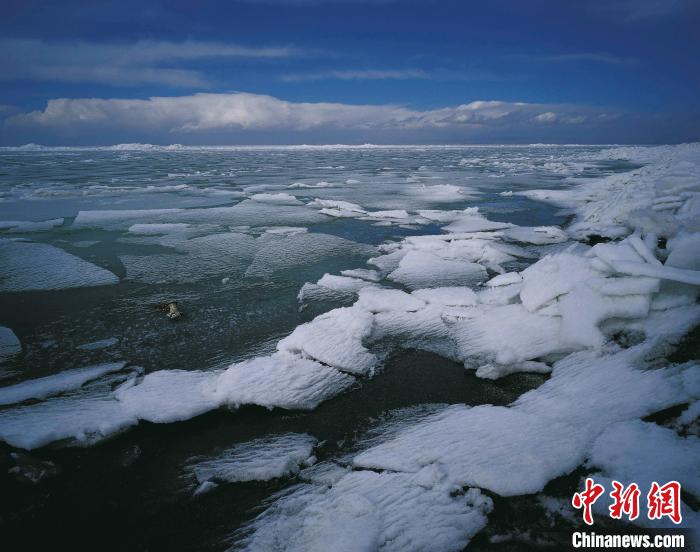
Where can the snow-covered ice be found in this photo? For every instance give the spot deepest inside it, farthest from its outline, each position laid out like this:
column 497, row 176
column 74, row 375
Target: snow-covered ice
column 29, row 266
column 67, row 380
column 597, row 305
column 257, row 460
column 372, row 511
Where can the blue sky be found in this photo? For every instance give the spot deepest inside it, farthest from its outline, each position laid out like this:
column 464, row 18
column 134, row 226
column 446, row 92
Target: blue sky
column 354, row 71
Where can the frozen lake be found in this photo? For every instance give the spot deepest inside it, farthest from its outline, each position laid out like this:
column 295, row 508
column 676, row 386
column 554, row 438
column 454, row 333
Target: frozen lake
column 335, row 301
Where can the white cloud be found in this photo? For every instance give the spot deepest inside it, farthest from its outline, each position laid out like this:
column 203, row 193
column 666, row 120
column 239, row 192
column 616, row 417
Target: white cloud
column 142, row 62
column 253, row 112
column 546, row 117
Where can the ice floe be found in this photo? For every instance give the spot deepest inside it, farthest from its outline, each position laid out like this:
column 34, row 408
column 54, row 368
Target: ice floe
column 9, row 344
column 67, row 380
column 17, row 226
column 372, row 511
column 31, row 266
column 257, row 460
column 96, row 411
column 643, row 453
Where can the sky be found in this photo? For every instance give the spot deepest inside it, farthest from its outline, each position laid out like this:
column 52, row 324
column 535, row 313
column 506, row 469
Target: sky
column 349, row 71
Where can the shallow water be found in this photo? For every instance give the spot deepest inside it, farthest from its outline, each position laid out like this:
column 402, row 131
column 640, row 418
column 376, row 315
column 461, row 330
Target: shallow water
column 238, row 296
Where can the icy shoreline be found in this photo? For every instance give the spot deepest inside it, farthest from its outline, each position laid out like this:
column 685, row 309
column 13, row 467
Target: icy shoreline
column 595, row 317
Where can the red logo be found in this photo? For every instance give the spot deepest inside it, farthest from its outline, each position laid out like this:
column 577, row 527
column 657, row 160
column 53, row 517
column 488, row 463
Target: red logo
column 625, row 501
column 665, row 501
column 587, row 498
column 662, row 501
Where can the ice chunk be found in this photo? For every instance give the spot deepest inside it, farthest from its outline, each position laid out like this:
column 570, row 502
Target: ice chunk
column 342, row 283
column 520, row 460
column 505, row 279
column 149, row 229
column 624, row 285
column 335, row 204
column 336, row 339
column 331, row 287
column 495, row 371
column 286, row 230
column 507, row 334
column 443, row 193
column 629, row 452
column 94, row 412
column 123, row 218
column 67, row 380
column 472, row 221
column 458, row 296
column 340, row 209
column 194, row 259
column 28, row 266
column 545, row 433
column 247, row 212
column 553, row 276
column 501, row 295
column 584, row 309
column 685, row 252
column 389, row 261
column 365, row 274
column 420, row 269
column 642, row 250
column 284, row 253
column 169, row 396
column 101, row 344
column 424, row 330
column 377, row 299
column 85, row 416
column 323, row 473
column 663, row 272
column 322, row 184
column 258, row 460
column 20, row 226
column 205, row 488
column 371, row 511
column 9, row 344
column 280, row 380
column 389, row 214
column 538, row 235
column 279, row 198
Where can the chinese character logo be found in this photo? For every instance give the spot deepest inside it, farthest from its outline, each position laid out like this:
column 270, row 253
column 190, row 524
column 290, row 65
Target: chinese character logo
column 585, row 499
column 662, row 501
column 665, row 501
column 625, row 501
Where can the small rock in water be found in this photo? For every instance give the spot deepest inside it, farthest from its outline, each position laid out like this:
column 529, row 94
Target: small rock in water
column 31, row 470
column 170, row 309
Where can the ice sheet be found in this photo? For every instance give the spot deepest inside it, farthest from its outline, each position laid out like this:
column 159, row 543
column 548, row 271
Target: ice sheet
column 29, row 266
column 418, row 269
column 372, row 511
column 257, row 460
column 67, row 380
column 336, row 339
